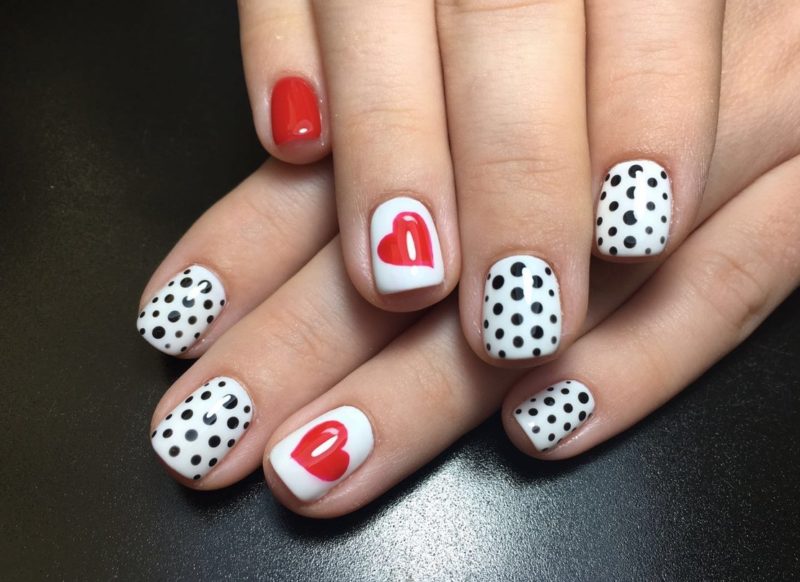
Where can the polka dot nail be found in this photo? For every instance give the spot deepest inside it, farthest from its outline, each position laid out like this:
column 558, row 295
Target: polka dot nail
column 634, row 210
column 198, row 433
column 175, row 318
column 521, row 309
column 554, row 413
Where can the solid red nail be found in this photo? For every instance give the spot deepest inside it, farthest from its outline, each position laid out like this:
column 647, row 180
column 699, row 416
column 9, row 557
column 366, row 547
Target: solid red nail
column 295, row 111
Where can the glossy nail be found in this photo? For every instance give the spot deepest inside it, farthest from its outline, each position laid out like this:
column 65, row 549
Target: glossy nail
column 295, row 111
column 634, row 210
column 198, row 433
column 175, row 318
column 557, row 411
column 521, row 309
column 321, row 454
column 405, row 247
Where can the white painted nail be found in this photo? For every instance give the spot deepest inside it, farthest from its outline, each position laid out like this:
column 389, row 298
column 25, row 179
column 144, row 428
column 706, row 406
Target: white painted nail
column 321, row 454
column 175, row 318
column 199, row 432
column 634, row 210
column 521, row 309
column 405, row 247
column 555, row 412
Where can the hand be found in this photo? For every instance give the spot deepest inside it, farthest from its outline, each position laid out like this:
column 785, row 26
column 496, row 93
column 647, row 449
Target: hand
column 312, row 344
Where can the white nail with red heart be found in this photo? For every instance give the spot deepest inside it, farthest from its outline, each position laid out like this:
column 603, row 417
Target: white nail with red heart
column 321, row 454
column 406, row 253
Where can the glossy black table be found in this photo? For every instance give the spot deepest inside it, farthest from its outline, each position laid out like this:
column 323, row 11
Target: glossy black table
column 119, row 124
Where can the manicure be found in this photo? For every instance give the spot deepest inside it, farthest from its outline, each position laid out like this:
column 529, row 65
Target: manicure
column 321, row 454
column 295, row 111
column 175, row 318
column 405, row 247
column 634, row 210
column 199, row 432
column 554, row 413
column 521, row 309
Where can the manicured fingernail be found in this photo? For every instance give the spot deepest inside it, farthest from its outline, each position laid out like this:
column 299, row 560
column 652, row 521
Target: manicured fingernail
column 557, row 411
column 199, row 432
column 174, row 319
column 405, row 247
column 634, row 211
column 521, row 309
column 295, row 111
column 318, row 456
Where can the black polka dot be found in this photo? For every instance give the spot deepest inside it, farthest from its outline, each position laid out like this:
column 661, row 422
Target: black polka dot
column 603, row 195
column 174, row 451
column 629, row 218
column 498, row 282
column 208, row 304
column 196, row 459
column 551, row 437
column 651, row 205
column 214, row 441
column 536, row 307
column 497, row 309
column 582, row 416
column 233, row 422
column 209, row 419
column 192, row 320
column 536, row 430
column 166, row 346
column 485, row 324
column 553, row 319
column 583, row 397
column 222, row 302
column 188, row 302
column 197, row 335
column 205, row 286
column 187, row 271
column 141, row 315
column 171, row 283
column 551, row 293
column 187, row 414
column 502, row 353
column 174, row 316
column 648, row 250
column 518, row 411
column 196, row 477
column 613, row 250
column 499, row 333
column 169, row 298
column 537, row 352
column 247, row 409
column 600, row 241
column 518, row 341
column 631, row 192
column 516, row 319
column 142, row 330
column 550, row 389
column 565, row 390
column 179, row 334
column 167, row 433
column 205, row 395
column 186, row 282
column 554, row 340
column 210, row 318
column 169, row 416
column 183, row 349
column 633, row 169
column 537, row 332
column 548, row 271
column 156, row 313
column 649, row 230
column 191, row 435
column 607, row 177
column 549, row 401
column 665, row 196
column 533, row 411
column 616, row 180
column 630, row 242
column 568, row 407
column 599, row 220
column 662, row 240
column 537, row 282
column 232, row 401
column 613, row 206
column 612, row 231
column 188, row 400
column 158, row 332
column 488, row 347
column 231, row 443
column 551, row 419
column 155, row 299
column 567, row 426
column 652, row 182
column 664, row 219
column 517, row 268
column 517, row 293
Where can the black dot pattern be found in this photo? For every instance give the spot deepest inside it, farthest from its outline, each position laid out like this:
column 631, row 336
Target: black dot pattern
column 633, row 217
column 188, row 442
column 554, row 413
column 194, row 298
column 522, row 316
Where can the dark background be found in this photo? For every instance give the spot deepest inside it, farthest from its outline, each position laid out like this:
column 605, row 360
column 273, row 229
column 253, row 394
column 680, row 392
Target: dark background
column 120, row 123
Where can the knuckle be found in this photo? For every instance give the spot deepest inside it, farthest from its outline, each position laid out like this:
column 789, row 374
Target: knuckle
column 437, row 388
column 495, row 6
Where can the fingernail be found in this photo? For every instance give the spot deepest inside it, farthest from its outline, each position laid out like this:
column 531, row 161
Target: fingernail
column 634, row 211
column 198, row 433
column 295, row 111
column 321, row 454
column 555, row 412
column 175, row 318
column 521, row 309
column 405, row 247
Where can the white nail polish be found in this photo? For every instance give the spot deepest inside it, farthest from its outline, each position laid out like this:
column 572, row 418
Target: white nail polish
column 557, row 411
column 199, row 432
column 405, row 247
column 175, row 318
column 318, row 456
column 634, row 210
column 521, row 309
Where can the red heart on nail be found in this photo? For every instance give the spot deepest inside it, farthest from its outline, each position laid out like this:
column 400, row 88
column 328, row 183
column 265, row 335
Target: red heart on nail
column 321, row 457
column 408, row 244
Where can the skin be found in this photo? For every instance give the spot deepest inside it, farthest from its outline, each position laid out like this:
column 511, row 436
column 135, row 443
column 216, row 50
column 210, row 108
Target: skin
column 407, row 372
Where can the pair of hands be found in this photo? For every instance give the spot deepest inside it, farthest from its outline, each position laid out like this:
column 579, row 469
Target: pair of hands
column 294, row 340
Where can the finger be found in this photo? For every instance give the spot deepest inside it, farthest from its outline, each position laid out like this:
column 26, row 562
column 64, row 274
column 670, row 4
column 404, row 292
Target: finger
column 284, row 78
column 211, row 426
column 522, row 170
column 235, row 255
column 353, row 443
column 705, row 300
column 394, row 184
column 653, row 71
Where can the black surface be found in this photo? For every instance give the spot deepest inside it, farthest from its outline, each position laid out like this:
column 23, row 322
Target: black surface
column 119, row 124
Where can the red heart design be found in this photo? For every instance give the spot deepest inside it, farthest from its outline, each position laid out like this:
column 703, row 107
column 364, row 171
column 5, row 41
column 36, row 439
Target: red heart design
column 394, row 247
column 331, row 463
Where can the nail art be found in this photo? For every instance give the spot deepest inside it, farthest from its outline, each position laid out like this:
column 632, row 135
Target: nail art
column 295, row 111
column 198, row 433
column 174, row 319
column 405, row 247
column 521, row 309
column 634, row 210
column 555, row 412
column 318, row 456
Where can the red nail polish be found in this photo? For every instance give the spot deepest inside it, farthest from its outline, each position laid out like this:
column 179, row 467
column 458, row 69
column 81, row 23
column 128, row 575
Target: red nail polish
column 295, row 112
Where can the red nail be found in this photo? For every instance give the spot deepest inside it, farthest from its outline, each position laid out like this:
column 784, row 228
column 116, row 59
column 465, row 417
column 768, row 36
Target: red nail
column 295, row 112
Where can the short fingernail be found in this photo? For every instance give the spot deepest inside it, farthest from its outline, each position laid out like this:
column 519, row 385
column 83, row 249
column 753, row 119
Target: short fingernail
column 318, row 456
column 405, row 247
column 294, row 110
column 521, row 309
column 549, row 416
column 634, row 210
column 175, row 317
column 199, row 432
